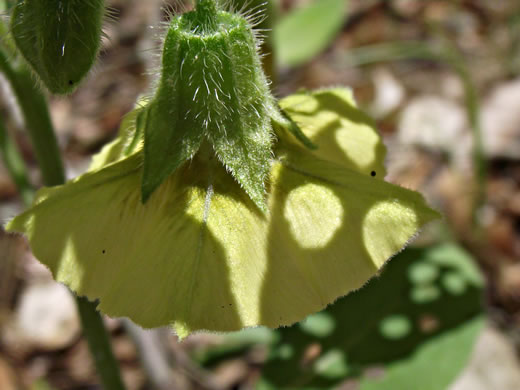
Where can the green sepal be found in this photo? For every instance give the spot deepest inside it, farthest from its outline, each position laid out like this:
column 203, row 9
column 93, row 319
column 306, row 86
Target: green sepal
column 168, row 143
column 140, row 117
column 59, row 39
column 128, row 141
column 243, row 141
column 212, row 89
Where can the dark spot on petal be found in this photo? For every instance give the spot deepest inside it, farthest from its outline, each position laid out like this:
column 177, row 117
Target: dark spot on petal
column 221, row 307
column 373, row 173
column 103, row 251
column 230, row 304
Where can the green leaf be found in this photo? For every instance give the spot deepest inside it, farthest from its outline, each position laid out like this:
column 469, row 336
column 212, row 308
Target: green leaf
column 233, row 344
column 436, row 362
column 60, row 40
column 6, row 5
column 41, row 384
column 307, row 31
column 382, row 329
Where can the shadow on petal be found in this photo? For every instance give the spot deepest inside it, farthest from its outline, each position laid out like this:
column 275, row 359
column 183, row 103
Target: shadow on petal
column 300, row 279
column 157, row 263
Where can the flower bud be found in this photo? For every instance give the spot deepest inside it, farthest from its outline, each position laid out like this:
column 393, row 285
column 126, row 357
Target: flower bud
column 59, row 39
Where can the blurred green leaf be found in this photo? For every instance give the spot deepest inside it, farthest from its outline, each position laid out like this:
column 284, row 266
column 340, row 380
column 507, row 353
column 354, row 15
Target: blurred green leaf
column 384, row 329
column 332, row 365
column 319, row 325
column 234, row 344
column 4, row 7
column 433, row 365
column 41, row 384
column 307, row 31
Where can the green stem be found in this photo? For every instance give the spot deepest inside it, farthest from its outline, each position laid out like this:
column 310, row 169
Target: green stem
column 99, row 344
column 15, row 166
column 473, row 112
column 37, row 120
column 38, row 123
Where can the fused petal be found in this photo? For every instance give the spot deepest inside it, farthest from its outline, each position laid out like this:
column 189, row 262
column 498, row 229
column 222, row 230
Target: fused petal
column 129, row 140
column 200, row 255
column 342, row 133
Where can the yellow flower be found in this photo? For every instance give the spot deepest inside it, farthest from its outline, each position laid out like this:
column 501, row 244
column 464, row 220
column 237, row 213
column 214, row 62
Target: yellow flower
column 200, row 255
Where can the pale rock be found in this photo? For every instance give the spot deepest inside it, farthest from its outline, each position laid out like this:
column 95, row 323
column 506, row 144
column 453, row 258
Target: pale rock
column 389, row 93
column 46, row 316
column 437, row 124
column 501, row 121
column 451, row 86
column 493, row 365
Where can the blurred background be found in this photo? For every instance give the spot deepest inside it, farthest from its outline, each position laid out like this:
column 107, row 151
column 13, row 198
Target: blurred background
column 441, row 79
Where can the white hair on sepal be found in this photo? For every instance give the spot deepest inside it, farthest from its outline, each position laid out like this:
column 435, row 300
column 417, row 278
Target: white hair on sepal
column 226, row 5
column 29, row 31
column 246, row 8
column 174, row 8
column 260, row 38
column 110, row 19
column 158, row 33
column 254, row 15
column 257, row 18
column 111, row 14
column 170, row 10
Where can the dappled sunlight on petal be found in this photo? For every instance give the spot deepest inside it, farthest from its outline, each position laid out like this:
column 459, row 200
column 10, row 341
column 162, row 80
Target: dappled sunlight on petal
column 199, row 254
column 344, row 134
column 319, row 204
column 387, row 227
